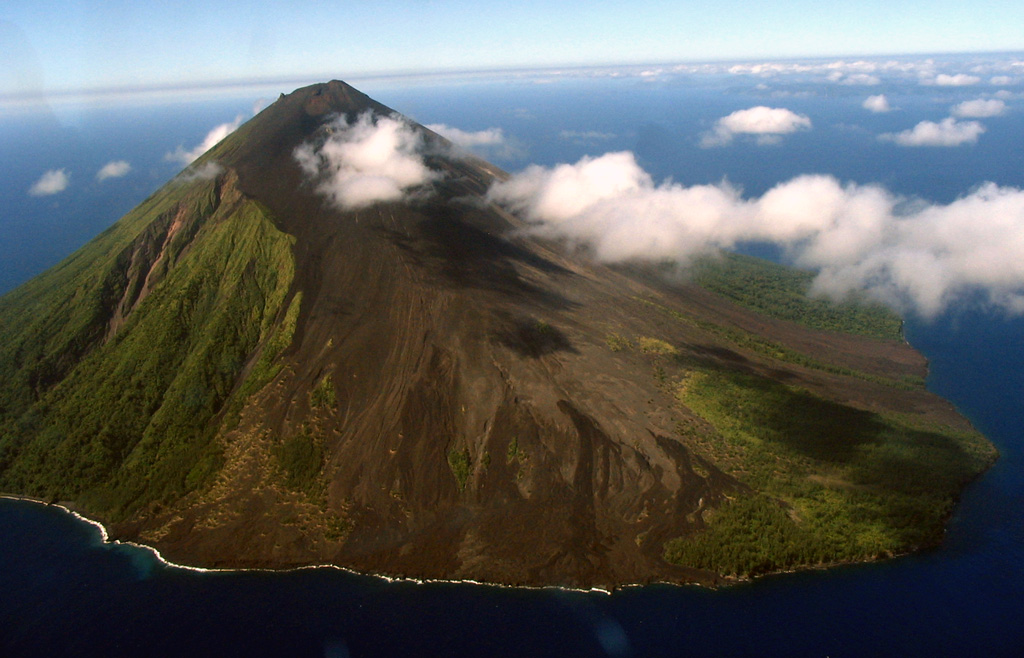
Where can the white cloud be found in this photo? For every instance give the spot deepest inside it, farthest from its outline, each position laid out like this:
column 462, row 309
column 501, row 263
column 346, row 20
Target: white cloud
column 52, row 182
column 114, row 169
column 205, row 171
column 956, row 80
column 862, row 79
column 212, row 139
column 1001, row 80
column 877, row 104
column 767, row 123
column 468, row 140
column 909, row 254
column 490, row 143
column 979, row 109
column 374, row 159
column 948, row 132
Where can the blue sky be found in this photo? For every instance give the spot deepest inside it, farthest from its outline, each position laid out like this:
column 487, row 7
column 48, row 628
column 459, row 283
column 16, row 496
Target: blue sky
column 48, row 46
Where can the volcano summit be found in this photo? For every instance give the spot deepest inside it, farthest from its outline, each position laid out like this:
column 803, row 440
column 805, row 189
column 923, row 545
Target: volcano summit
column 323, row 343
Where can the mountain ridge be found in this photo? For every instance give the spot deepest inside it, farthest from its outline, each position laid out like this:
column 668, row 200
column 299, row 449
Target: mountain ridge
column 419, row 387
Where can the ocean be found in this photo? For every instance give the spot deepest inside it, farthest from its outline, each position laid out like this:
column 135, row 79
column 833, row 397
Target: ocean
column 63, row 591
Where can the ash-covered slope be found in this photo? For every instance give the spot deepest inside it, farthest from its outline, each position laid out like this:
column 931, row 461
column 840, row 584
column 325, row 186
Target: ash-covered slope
column 243, row 372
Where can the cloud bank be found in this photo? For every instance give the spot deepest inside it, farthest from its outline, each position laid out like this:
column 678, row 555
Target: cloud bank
column 114, row 169
column 212, row 139
column 768, row 124
column 878, row 104
column 374, row 159
column 948, row 132
column 52, row 182
column 911, row 255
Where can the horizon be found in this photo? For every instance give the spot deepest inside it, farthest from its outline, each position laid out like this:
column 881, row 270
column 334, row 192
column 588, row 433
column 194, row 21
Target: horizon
column 97, row 47
column 864, row 71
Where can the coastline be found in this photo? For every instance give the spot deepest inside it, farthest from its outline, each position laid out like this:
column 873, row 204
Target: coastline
column 725, row 582
column 105, row 536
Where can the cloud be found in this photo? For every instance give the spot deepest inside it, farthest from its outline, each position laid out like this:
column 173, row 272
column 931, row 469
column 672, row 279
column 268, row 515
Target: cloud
column 490, row 143
column 878, row 104
column 1001, row 80
column 957, row 80
column 861, row 79
column 469, row 140
column 979, row 109
column 205, row 171
column 907, row 253
column 767, row 123
column 374, row 159
column 212, row 139
column 114, row 169
column 948, row 132
column 52, row 182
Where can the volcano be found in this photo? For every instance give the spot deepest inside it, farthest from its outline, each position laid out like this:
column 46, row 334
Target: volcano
column 254, row 368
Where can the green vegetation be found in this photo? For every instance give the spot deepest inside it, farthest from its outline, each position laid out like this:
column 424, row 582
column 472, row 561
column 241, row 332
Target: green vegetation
column 302, row 458
column 322, row 394
column 336, row 528
column 833, row 483
column 118, row 364
column 459, row 462
column 650, row 345
column 268, row 365
column 617, row 343
column 782, row 292
column 754, row 343
column 516, row 455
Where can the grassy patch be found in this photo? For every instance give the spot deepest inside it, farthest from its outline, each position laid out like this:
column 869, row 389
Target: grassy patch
column 302, row 458
column 833, row 483
column 650, row 345
column 782, row 292
column 459, row 462
column 617, row 343
column 322, row 395
column 749, row 341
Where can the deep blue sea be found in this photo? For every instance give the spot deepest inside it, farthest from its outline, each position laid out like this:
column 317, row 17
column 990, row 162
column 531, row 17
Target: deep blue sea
column 63, row 592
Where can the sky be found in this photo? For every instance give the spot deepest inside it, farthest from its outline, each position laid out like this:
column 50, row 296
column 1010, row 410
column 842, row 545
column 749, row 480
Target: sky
column 50, row 47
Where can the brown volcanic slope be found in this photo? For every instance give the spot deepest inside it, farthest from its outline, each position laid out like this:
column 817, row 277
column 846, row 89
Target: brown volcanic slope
column 451, row 382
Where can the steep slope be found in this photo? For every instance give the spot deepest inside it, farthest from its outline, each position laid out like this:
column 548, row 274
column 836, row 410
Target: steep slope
column 242, row 374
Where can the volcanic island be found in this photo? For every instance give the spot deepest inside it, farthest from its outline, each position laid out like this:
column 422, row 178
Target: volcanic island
column 244, row 373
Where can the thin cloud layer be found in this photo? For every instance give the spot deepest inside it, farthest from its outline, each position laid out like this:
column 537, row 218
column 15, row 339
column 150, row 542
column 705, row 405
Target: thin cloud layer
column 466, row 139
column 487, row 143
column 878, row 104
column 205, row 171
column 905, row 253
column 114, row 169
column 212, row 139
column 948, row 132
column 768, row 124
column 53, row 181
column 585, row 135
column 979, row 109
column 864, row 79
column 374, row 159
